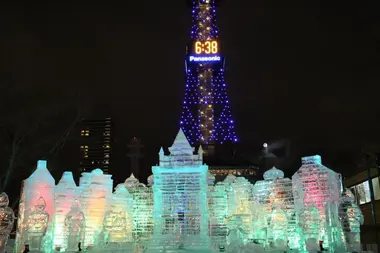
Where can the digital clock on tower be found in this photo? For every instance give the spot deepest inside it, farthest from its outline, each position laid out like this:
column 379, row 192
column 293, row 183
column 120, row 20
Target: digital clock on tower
column 206, row 47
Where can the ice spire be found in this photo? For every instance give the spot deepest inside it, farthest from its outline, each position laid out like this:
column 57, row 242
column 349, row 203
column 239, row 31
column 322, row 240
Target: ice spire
column 181, row 144
column 42, row 174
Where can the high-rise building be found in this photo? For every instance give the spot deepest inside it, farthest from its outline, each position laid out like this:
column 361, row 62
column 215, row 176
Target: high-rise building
column 95, row 145
column 206, row 113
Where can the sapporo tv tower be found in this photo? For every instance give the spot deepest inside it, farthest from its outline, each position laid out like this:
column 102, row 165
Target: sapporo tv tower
column 206, row 114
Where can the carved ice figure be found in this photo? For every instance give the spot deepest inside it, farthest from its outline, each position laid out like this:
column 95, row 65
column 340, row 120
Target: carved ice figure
column 309, row 219
column 6, row 221
column 39, row 184
column 241, row 199
column 65, row 194
column 259, row 222
column 236, row 234
column 279, row 226
column 117, row 225
column 275, row 189
column 351, row 217
column 114, row 226
column 74, row 224
column 37, row 225
column 96, row 190
column 142, row 210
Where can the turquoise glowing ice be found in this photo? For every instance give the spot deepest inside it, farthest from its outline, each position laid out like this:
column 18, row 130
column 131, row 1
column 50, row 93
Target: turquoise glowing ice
column 183, row 210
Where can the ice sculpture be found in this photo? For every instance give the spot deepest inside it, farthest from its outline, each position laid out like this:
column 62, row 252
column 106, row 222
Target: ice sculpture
column 351, row 218
column 6, row 221
column 218, row 214
column 236, row 236
column 150, row 180
column 230, row 178
column 180, row 196
column 279, row 227
column 334, row 232
column 259, row 223
column 36, row 209
column 117, row 223
column 142, row 212
column 95, row 197
column 240, row 200
column 74, row 228
column 37, row 225
column 310, row 223
column 276, row 190
column 190, row 212
column 65, row 193
column 210, row 179
column 320, row 185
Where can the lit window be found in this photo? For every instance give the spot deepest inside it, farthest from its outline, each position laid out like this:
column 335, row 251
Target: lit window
column 85, row 132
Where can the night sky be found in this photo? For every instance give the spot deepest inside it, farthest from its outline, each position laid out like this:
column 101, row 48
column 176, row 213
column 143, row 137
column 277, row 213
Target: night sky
column 305, row 71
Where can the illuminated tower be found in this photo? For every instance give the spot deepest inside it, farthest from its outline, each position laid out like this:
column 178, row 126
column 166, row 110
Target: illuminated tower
column 206, row 114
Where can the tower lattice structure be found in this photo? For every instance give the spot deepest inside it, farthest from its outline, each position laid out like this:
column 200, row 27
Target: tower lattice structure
column 206, row 115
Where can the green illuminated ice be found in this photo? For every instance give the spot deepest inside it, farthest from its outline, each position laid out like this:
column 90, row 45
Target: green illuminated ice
column 182, row 209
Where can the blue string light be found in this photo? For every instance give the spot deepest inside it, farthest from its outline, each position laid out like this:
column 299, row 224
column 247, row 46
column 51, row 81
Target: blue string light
column 206, row 115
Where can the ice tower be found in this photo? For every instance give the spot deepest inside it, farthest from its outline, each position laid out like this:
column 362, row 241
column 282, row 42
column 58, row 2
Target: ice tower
column 180, row 199
column 206, row 113
column 315, row 184
column 36, row 210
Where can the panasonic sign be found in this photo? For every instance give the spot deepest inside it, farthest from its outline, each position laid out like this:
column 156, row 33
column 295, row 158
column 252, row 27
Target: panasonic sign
column 204, row 58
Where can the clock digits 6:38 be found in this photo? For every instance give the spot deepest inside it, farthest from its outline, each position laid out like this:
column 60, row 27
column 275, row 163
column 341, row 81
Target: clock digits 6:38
column 207, row 47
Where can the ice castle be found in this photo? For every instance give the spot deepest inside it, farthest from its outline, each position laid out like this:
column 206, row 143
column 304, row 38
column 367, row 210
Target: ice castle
column 183, row 210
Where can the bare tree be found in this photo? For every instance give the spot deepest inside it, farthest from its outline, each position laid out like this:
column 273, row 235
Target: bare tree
column 32, row 127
